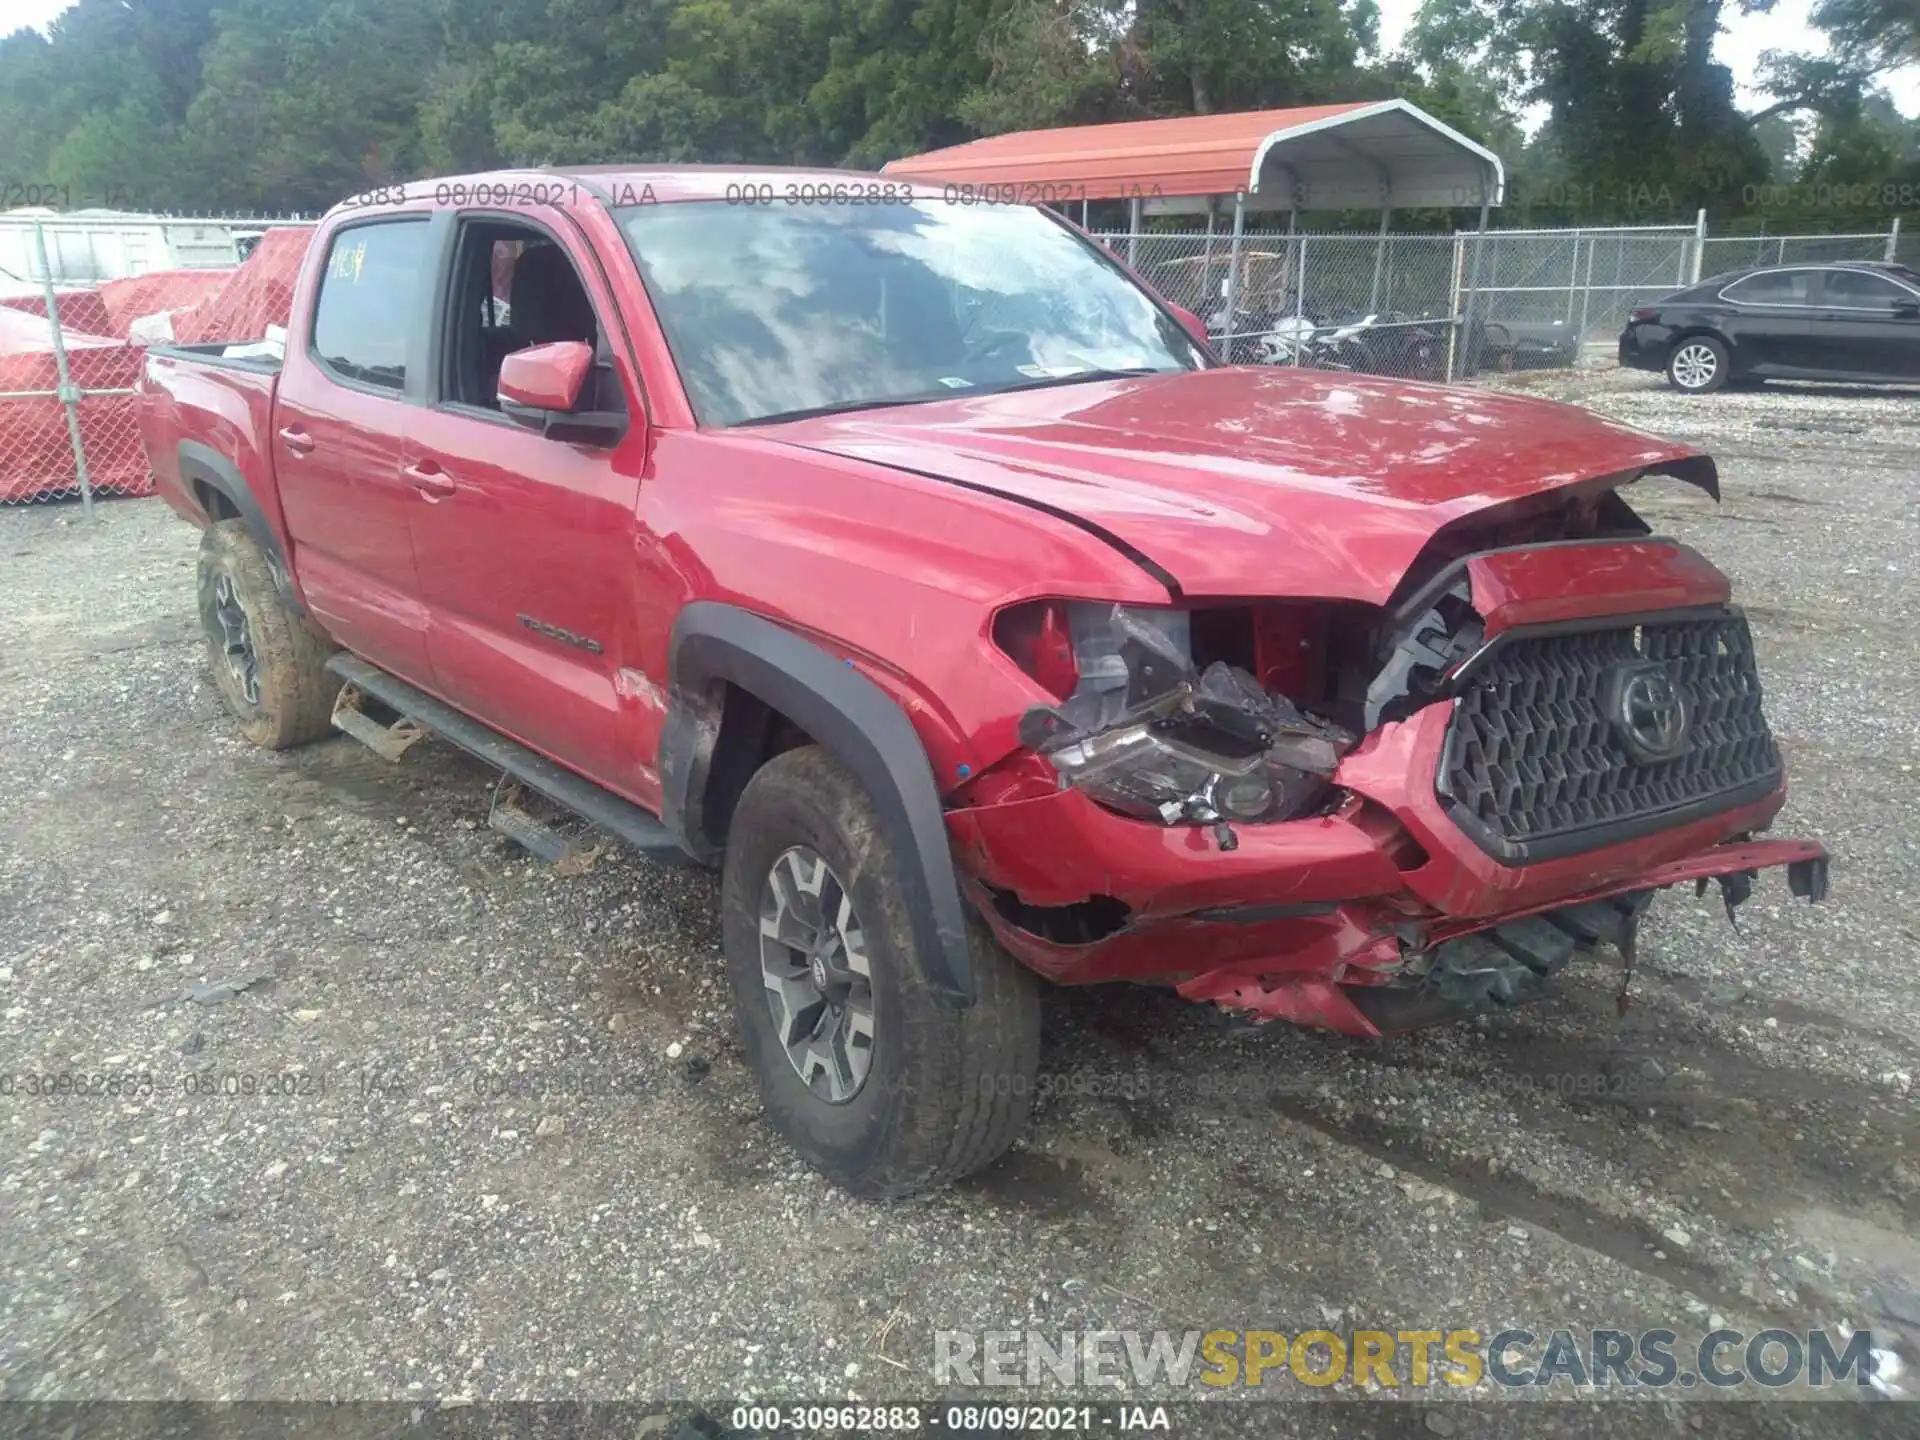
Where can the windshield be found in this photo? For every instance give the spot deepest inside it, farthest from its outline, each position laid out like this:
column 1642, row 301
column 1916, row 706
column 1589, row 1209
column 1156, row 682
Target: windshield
column 773, row 312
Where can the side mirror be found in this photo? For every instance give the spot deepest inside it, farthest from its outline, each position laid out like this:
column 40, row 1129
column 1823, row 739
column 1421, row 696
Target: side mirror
column 540, row 387
column 1907, row 310
column 1191, row 323
column 545, row 377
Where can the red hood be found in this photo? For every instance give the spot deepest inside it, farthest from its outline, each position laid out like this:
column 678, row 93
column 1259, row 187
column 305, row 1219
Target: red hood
column 1253, row 481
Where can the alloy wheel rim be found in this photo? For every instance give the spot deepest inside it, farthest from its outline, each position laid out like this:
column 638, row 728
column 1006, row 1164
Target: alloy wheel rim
column 1694, row 366
column 816, row 975
column 235, row 638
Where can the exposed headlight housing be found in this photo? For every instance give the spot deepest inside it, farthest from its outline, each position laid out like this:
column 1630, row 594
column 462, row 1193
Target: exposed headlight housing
column 1145, row 734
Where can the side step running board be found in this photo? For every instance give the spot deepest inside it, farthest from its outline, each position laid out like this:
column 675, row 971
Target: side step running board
column 535, row 771
column 389, row 742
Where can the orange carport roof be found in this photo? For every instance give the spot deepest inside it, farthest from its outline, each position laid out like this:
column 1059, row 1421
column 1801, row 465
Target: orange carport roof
column 1355, row 155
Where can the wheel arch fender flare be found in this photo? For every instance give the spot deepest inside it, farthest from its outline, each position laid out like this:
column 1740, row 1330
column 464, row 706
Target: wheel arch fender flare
column 1701, row 330
column 853, row 719
column 203, row 465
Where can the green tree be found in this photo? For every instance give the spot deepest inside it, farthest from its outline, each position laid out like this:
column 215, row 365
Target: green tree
column 95, row 105
column 1208, row 55
column 303, row 103
column 1879, row 34
column 29, row 115
column 1049, row 62
column 1642, row 124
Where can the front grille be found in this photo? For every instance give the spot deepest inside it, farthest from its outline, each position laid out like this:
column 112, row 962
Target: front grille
column 1536, row 766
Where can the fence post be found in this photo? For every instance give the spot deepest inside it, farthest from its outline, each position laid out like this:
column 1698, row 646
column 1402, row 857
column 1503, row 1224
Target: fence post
column 1699, row 245
column 1473, row 281
column 1893, row 241
column 1290, row 268
column 1573, row 278
column 1379, row 259
column 69, row 392
column 1133, row 233
column 1233, row 269
column 1453, row 301
column 1586, row 292
column 1300, row 304
column 1207, row 292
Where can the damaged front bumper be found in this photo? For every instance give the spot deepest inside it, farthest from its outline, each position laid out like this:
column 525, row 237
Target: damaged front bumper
column 1315, row 921
column 1448, row 871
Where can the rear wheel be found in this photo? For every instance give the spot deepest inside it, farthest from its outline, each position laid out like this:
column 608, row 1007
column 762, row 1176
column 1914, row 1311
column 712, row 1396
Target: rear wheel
column 268, row 664
column 865, row 1073
column 1699, row 365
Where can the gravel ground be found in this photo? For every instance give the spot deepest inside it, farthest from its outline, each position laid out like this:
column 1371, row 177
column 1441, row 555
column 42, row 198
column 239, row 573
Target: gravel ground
column 413, row 1221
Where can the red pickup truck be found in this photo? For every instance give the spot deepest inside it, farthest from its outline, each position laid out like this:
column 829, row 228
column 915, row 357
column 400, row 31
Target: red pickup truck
column 912, row 562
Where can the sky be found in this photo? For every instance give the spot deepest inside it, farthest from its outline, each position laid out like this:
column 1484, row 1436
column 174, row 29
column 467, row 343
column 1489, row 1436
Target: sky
column 1742, row 39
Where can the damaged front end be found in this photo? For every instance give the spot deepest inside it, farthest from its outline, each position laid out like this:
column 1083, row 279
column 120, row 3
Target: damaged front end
column 1368, row 819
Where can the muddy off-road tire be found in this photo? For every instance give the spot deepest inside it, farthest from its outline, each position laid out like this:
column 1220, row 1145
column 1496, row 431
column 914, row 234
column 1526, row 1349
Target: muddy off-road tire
column 268, row 664
column 901, row 1094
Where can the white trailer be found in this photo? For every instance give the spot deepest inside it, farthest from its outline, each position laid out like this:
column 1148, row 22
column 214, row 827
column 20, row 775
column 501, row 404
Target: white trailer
column 85, row 247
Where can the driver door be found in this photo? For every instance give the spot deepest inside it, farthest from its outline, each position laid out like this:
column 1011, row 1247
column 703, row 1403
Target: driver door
column 1778, row 323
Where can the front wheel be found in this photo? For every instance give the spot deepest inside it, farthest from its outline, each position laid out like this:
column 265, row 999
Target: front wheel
column 1699, row 365
column 866, row 1074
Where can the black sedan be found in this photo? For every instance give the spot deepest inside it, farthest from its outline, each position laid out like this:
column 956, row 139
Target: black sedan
column 1837, row 321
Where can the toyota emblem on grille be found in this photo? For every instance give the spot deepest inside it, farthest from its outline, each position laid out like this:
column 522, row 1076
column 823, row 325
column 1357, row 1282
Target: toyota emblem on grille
column 1649, row 712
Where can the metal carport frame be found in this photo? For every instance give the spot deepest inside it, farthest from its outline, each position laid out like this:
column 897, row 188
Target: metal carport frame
column 1385, row 153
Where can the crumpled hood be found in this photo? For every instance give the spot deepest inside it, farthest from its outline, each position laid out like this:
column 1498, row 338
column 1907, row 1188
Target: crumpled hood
column 1255, row 481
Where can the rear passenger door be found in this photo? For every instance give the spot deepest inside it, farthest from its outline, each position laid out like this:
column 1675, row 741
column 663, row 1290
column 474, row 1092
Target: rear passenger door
column 525, row 545
column 340, row 414
column 1776, row 320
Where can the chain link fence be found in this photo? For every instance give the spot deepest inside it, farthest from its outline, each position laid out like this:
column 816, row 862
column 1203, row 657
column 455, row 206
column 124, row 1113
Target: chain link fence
column 1721, row 253
column 1381, row 303
column 1538, row 296
column 81, row 297
column 1448, row 306
column 1422, row 306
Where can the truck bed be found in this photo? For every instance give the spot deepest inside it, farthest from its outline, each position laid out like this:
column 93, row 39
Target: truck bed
column 206, row 418
column 215, row 353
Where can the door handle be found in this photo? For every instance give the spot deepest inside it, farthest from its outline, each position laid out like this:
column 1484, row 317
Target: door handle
column 430, row 480
column 296, row 440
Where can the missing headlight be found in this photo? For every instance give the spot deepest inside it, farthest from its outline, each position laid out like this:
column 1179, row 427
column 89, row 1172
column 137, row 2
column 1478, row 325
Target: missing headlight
column 1145, row 734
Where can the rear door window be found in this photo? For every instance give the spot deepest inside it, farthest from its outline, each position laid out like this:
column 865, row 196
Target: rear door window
column 1773, row 287
column 363, row 320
